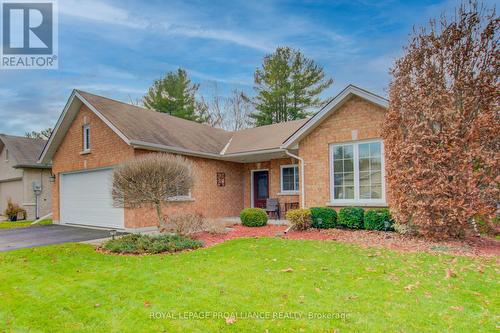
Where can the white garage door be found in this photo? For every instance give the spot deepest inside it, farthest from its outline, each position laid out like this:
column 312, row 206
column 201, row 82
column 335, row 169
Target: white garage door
column 86, row 200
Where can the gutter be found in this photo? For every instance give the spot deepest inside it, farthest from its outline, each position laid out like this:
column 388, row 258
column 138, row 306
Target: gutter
column 302, row 189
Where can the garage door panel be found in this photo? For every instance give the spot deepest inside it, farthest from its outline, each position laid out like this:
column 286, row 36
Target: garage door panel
column 86, row 200
column 11, row 190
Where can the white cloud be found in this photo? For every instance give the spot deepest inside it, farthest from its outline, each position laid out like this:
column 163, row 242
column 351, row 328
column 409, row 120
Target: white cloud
column 242, row 81
column 7, row 93
column 108, row 14
column 99, row 11
column 111, row 88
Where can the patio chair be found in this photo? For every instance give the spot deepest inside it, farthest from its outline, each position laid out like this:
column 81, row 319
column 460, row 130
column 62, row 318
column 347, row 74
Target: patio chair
column 273, row 207
column 289, row 206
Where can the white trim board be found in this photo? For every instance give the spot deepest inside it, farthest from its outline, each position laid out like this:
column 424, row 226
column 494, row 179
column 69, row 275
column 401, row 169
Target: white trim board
column 333, row 105
column 282, row 191
column 353, row 202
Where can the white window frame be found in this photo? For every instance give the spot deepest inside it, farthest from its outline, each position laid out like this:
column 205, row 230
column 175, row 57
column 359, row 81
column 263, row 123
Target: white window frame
column 357, row 201
column 86, row 137
column 282, row 191
column 181, row 197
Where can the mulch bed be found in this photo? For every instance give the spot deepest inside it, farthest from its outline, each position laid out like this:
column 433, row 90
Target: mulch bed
column 474, row 246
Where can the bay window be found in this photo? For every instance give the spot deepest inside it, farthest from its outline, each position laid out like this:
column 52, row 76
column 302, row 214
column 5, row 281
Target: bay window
column 357, row 175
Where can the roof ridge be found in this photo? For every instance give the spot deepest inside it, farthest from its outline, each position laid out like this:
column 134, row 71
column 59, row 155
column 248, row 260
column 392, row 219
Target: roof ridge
column 164, row 114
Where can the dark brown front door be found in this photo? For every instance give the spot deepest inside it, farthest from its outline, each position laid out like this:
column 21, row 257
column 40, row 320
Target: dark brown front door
column 260, row 188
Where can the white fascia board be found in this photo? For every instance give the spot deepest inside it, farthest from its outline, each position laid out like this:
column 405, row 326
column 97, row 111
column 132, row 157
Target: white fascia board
column 104, row 119
column 55, row 138
column 44, row 159
column 170, row 149
column 335, row 103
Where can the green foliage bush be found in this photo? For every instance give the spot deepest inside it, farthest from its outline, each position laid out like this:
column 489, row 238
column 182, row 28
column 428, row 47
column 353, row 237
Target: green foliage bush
column 351, row 217
column 253, row 217
column 299, row 218
column 140, row 244
column 375, row 219
column 328, row 217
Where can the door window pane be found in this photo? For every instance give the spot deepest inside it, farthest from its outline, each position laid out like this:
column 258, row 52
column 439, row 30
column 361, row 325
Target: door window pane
column 262, row 188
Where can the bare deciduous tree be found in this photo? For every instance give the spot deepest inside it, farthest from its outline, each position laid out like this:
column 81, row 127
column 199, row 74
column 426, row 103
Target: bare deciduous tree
column 151, row 180
column 43, row 134
column 238, row 111
column 441, row 133
column 231, row 113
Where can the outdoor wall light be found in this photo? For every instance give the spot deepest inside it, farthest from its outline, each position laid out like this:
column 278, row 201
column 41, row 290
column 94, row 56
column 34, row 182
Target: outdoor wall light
column 113, row 234
column 52, row 178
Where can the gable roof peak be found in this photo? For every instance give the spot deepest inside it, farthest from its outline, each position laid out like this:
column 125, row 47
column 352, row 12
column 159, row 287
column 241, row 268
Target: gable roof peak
column 332, row 105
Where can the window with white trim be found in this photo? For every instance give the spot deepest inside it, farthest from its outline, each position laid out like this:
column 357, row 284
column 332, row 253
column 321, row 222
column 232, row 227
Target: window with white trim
column 289, row 178
column 357, row 172
column 181, row 195
column 86, row 137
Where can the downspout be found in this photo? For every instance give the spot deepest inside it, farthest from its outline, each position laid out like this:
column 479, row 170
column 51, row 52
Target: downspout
column 302, row 190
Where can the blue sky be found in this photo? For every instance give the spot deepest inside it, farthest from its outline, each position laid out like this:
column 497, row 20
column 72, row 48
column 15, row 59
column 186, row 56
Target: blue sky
column 117, row 48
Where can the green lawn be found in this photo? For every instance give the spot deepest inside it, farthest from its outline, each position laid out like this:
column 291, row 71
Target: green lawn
column 72, row 288
column 22, row 224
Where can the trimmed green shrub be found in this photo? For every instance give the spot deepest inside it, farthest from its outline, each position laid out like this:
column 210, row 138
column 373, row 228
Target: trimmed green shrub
column 253, row 217
column 299, row 218
column 351, row 217
column 141, row 244
column 323, row 217
column 375, row 219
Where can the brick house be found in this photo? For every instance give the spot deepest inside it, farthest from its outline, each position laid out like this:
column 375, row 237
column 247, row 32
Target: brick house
column 334, row 158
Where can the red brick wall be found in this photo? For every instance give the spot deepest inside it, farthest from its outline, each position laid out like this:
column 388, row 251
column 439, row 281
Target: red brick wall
column 274, row 179
column 107, row 149
column 208, row 198
column 355, row 114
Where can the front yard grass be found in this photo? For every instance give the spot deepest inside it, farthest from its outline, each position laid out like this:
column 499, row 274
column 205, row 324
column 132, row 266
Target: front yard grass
column 71, row 288
column 21, row 224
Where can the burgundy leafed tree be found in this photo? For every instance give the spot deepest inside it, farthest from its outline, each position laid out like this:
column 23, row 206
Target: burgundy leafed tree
column 443, row 125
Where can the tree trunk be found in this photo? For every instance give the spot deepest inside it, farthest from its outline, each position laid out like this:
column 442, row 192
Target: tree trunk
column 161, row 220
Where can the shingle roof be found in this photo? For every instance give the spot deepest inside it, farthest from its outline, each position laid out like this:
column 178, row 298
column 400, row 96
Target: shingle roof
column 140, row 124
column 262, row 138
column 24, row 150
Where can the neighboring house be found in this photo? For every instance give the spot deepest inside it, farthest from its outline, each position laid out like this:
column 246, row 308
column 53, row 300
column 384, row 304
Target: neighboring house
column 21, row 174
column 335, row 158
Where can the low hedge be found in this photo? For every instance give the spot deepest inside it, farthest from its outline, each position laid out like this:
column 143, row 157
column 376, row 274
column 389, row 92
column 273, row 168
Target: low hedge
column 323, row 217
column 375, row 219
column 351, row 217
column 299, row 218
column 141, row 244
column 253, row 217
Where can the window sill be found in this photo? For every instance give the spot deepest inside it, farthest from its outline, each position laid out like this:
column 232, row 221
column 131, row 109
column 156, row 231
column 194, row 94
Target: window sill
column 289, row 193
column 180, row 199
column 85, row 152
column 357, row 204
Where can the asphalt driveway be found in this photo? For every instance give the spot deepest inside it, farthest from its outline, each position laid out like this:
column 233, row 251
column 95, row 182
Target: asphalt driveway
column 11, row 239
